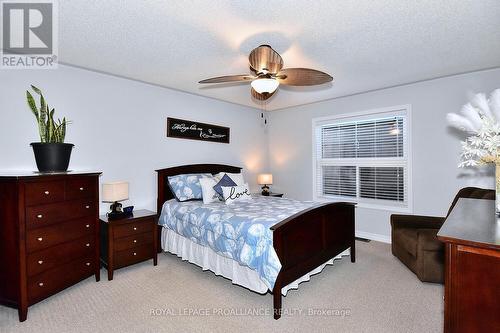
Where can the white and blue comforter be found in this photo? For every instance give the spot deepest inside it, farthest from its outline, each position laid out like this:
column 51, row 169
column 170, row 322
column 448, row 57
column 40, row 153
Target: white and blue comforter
column 240, row 231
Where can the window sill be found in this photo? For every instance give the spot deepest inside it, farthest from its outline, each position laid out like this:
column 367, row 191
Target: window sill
column 377, row 206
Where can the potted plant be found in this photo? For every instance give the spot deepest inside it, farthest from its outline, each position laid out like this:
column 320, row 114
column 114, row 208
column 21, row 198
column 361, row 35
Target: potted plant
column 481, row 120
column 51, row 153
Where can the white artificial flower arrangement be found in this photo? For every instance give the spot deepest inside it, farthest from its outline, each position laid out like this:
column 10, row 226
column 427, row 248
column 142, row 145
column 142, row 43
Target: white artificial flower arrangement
column 481, row 119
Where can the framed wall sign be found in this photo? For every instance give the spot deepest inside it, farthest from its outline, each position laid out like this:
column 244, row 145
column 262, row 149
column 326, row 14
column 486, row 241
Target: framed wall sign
column 187, row 129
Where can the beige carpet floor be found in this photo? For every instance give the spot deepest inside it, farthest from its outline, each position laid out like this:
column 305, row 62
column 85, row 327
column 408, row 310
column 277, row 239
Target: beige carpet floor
column 376, row 294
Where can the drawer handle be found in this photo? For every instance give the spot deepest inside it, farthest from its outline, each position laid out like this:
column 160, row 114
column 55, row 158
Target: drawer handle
column 81, row 189
column 87, row 206
column 39, row 216
column 40, row 262
column 46, row 192
column 40, row 284
column 40, row 239
column 87, row 245
column 87, row 263
column 135, row 228
column 135, row 254
column 87, row 226
column 135, row 240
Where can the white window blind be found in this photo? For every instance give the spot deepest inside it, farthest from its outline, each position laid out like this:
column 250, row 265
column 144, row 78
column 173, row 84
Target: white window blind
column 363, row 159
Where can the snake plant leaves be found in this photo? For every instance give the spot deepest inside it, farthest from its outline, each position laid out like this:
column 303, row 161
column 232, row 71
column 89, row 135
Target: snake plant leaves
column 50, row 131
column 42, row 103
column 32, row 104
column 35, row 89
column 63, row 129
column 42, row 126
column 59, row 131
column 51, row 126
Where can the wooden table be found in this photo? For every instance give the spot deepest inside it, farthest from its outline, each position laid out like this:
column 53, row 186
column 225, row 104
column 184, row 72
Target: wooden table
column 128, row 240
column 471, row 234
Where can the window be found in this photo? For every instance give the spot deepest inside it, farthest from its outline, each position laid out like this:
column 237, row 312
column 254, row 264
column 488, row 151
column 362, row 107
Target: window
column 364, row 158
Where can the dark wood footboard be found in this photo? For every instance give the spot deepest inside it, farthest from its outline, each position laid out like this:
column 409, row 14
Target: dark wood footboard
column 308, row 239
column 302, row 242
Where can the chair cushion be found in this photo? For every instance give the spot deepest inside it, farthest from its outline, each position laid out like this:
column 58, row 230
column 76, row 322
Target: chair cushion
column 473, row 193
column 427, row 240
column 406, row 238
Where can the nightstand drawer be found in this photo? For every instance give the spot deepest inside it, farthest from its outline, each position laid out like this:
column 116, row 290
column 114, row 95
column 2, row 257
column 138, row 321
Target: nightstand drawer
column 80, row 188
column 43, row 238
column 133, row 228
column 58, row 278
column 44, row 192
column 43, row 215
column 129, row 242
column 134, row 255
column 43, row 260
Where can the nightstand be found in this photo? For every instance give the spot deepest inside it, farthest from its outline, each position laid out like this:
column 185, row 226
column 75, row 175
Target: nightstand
column 129, row 240
column 272, row 194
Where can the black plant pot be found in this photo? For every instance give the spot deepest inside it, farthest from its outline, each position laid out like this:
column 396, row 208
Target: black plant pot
column 52, row 157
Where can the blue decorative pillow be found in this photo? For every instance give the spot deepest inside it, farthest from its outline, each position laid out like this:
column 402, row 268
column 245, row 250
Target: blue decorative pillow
column 187, row 187
column 225, row 181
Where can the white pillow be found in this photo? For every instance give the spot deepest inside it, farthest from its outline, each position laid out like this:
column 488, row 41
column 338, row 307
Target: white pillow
column 207, row 190
column 236, row 177
column 236, row 193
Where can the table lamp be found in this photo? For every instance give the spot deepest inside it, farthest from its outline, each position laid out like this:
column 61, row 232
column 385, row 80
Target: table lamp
column 265, row 179
column 115, row 192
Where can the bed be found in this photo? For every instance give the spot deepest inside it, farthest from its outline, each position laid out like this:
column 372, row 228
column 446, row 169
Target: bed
column 269, row 243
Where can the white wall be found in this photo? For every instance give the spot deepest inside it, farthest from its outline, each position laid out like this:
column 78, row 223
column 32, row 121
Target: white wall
column 435, row 147
column 118, row 127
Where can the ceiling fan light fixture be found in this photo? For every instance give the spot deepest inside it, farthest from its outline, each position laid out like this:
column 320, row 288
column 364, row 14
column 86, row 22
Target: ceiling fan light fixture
column 265, row 85
column 267, row 74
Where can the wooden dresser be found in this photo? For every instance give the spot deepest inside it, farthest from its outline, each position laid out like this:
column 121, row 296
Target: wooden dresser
column 472, row 274
column 49, row 235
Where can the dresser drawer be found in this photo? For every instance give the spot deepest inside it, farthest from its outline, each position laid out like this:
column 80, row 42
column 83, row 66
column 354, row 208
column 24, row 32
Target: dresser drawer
column 133, row 228
column 58, row 278
column 129, row 242
column 40, row 261
column 134, row 255
column 43, row 238
column 44, row 192
column 80, row 188
column 43, row 215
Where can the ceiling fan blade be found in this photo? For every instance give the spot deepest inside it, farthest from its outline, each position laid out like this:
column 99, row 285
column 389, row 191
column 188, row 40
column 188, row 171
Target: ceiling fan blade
column 264, row 58
column 261, row 97
column 302, row 77
column 229, row 78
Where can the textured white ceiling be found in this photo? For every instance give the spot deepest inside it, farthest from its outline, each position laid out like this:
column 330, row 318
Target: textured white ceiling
column 363, row 44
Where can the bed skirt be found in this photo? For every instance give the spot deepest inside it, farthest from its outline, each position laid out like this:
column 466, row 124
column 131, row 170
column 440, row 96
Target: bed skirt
column 208, row 259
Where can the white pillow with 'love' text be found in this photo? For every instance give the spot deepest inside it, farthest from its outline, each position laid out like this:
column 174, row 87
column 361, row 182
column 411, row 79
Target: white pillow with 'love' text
column 236, row 193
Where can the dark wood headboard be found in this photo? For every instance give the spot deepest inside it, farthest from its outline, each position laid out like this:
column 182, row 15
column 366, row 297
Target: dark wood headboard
column 164, row 192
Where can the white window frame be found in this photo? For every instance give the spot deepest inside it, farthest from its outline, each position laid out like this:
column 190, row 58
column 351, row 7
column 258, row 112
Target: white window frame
column 359, row 116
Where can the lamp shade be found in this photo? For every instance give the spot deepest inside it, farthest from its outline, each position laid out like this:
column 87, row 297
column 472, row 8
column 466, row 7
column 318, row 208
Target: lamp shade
column 265, row 85
column 265, row 179
column 115, row 191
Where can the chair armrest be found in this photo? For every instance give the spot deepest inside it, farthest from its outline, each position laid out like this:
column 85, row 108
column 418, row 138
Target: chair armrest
column 416, row 221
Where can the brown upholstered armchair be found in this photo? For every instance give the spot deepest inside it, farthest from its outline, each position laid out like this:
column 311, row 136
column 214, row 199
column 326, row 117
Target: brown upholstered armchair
column 415, row 243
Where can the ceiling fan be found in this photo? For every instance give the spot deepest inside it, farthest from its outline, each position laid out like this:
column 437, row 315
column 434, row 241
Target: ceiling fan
column 267, row 73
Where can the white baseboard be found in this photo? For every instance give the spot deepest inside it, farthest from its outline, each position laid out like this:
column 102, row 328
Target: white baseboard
column 375, row 237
